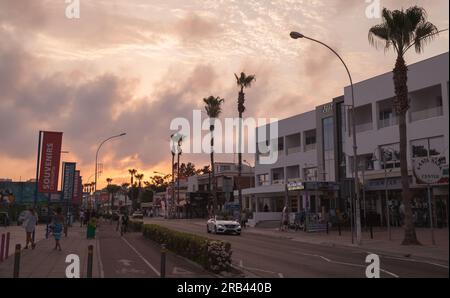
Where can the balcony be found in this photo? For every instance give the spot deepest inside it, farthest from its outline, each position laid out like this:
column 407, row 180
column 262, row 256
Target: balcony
column 426, row 114
column 277, row 182
column 391, row 121
column 364, row 127
column 310, row 147
column 294, row 150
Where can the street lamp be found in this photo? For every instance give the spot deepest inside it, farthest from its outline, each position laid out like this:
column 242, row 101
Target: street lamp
column 297, row 35
column 386, row 193
column 96, row 157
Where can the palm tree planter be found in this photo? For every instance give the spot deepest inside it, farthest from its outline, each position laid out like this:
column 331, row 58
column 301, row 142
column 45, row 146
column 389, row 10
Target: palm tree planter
column 243, row 82
column 401, row 30
column 213, row 107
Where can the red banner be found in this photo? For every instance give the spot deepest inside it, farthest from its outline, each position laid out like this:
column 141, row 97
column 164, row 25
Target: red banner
column 50, row 158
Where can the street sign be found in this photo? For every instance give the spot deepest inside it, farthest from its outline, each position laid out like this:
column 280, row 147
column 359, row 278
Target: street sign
column 429, row 170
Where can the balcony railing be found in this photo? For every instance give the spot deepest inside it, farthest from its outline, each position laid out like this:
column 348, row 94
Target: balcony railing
column 294, row 150
column 279, row 181
column 391, row 121
column 426, row 114
column 310, row 147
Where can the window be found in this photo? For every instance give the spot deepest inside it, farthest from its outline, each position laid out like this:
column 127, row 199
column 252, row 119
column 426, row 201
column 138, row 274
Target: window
column 263, row 179
column 224, row 168
column 426, row 103
column 328, row 148
column 428, row 147
column 391, row 154
column 310, row 174
column 310, row 140
column 280, row 144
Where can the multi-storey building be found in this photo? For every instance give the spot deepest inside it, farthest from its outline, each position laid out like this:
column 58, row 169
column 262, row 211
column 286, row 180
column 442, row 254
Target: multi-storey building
column 315, row 155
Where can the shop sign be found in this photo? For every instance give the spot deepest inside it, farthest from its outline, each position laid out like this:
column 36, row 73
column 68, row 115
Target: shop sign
column 295, row 186
column 429, row 170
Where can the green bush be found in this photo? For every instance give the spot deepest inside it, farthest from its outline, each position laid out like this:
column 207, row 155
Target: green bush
column 135, row 226
column 213, row 255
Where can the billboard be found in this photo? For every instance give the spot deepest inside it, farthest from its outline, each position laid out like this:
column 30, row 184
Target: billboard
column 50, row 158
column 68, row 181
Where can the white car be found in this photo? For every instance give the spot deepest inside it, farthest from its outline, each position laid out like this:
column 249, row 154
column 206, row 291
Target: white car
column 220, row 225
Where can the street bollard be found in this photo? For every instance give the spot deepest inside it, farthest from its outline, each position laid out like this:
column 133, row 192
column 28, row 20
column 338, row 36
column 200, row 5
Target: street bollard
column 339, row 229
column 90, row 261
column 2, row 248
column 163, row 260
column 16, row 261
column 371, row 232
column 7, row 245
column 328, row 227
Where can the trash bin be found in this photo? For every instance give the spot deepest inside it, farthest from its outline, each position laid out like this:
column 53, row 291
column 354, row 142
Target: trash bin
column 91, row 227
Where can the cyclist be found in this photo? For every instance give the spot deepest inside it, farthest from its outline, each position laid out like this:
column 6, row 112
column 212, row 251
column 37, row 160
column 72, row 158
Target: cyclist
column 124, row 223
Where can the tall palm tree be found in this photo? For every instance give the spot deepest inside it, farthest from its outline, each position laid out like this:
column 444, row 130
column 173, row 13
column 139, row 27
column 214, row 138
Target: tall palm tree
column 109, row 180
column 243, row 82
column 400, row 31
column 132, row 172
column 213, row 107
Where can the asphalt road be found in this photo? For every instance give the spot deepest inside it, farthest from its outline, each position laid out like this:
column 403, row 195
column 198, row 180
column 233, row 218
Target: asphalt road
column 133, row 256
column 272, row 257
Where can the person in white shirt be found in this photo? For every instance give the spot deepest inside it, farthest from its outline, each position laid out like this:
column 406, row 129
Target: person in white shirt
column 29, row 223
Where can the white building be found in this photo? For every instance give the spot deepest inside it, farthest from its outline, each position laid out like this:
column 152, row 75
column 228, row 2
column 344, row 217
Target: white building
column 315, row 148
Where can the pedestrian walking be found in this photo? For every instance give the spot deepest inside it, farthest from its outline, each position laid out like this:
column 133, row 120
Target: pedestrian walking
column 81, row 218
column 92, row 226
column 29, row 223
column 58, row 227
column 244, row 219
column 285, row 219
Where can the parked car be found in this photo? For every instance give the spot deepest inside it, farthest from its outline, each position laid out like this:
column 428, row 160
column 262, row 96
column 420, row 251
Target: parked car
column 4, row 219
column 221, row 225
column 137, row 215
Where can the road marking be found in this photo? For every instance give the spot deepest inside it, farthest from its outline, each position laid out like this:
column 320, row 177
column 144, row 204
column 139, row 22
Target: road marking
column 125, row 262
column 347, row 264
column 413, row 260
column 181, row 271
column 142, row 257
column 102, row 273
column 241, row 264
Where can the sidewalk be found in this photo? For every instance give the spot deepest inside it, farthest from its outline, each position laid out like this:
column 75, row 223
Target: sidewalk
column 380, row 244
column 44, row 262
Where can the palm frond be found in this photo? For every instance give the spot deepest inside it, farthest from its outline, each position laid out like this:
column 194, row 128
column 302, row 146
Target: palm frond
column 425, row 33
column 213, row 106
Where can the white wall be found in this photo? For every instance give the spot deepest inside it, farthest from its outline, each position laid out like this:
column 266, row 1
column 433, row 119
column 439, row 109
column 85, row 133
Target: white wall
column 421, row 75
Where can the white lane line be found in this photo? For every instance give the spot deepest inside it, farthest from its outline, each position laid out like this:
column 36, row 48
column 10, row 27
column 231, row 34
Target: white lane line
column 348, row 264
column 413, row 260
column 142, row 257
column 99, row 256
column 241, row 264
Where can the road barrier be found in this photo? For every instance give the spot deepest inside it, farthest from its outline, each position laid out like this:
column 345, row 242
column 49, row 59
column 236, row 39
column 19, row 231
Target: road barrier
column 7, row 245
column 163, row 261
column 90, row 260
column 16, row 261
column 2, row 247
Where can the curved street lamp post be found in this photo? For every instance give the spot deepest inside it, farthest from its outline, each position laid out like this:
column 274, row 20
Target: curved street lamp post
column 296, row 35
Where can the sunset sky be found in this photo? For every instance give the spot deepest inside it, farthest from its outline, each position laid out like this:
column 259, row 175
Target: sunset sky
column 134, row 65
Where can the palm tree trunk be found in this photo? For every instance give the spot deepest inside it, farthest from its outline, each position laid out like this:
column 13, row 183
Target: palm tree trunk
column 169, row 208
column 401, row 104
column 214, row 193
column 240, row 109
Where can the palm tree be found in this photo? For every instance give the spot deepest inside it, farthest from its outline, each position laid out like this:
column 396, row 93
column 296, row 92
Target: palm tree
column 213, row 107
column 243, row 82
column 139, row 177
column 132, row 172
column 109, row 180
column 401, row 30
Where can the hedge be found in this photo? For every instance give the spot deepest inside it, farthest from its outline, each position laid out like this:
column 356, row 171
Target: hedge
column 213, row 255
column 135, row 226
